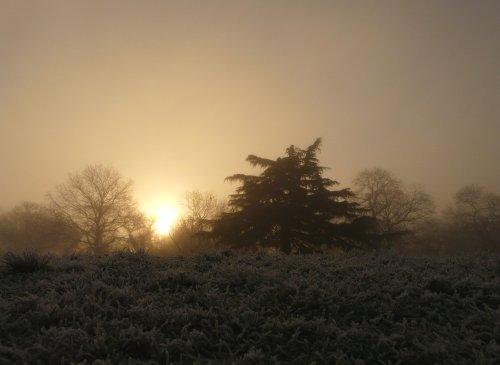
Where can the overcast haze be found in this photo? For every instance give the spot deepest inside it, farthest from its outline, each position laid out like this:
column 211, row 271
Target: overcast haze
column 176, row 94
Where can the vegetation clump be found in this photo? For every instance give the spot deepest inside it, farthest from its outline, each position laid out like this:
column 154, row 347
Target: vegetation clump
column 25, row 262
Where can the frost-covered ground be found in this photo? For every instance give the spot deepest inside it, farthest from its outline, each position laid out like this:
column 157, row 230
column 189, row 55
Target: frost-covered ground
column 223, row 308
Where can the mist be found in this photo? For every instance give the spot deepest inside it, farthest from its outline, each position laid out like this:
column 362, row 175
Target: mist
column 176, row 94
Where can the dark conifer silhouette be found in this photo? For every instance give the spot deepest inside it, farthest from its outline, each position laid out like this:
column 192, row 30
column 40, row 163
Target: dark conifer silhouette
column 289, row 206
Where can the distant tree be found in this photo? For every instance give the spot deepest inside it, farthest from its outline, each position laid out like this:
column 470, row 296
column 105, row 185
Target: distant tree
column 395, row 208
column 201, row 208
column 31, row 226
column 98, row 201
column 476, row 215
column 289, row 206
column 140, row 232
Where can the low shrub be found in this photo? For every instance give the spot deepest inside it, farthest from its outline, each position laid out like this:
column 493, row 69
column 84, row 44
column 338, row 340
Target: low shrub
column 25, row 262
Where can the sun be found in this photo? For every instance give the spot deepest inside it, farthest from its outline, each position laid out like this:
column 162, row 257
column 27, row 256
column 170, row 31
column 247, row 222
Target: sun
column 164, row 220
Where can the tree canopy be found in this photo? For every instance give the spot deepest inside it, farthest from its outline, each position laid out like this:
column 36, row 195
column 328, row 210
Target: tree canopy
column 98, row 202
column 476, row 217
column 396, row 208
column 290, row 206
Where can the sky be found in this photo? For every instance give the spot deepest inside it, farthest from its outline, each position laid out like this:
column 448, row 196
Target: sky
column 176, row 94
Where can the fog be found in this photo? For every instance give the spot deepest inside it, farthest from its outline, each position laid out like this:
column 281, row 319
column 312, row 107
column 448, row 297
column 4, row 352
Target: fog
column 176, row 94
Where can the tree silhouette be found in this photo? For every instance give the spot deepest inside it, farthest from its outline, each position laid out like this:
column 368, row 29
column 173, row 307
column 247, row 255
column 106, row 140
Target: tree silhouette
column 289, row 206
column 201, row 208
column 396, row 209
column 475, row 216
column 98, row 202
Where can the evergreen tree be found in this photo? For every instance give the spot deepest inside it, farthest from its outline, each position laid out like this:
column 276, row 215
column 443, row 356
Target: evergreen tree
column 290, row 205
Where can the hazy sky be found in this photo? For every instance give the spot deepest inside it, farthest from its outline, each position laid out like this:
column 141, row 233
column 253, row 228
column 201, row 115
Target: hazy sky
column 176, row 94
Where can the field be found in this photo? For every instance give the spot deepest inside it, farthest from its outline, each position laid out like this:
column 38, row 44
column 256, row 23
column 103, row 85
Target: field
column 224, row 308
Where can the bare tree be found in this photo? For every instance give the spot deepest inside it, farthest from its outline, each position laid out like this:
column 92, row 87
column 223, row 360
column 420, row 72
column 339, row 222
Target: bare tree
column 140, row 232
column 98, row 201
column 200, row 209
column 476, row 214
column 395, row 207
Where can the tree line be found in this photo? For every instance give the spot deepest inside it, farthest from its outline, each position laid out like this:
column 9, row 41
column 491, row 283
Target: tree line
column 290, row 207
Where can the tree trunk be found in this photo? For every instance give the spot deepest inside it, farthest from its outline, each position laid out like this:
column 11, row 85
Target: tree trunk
column 285, row 243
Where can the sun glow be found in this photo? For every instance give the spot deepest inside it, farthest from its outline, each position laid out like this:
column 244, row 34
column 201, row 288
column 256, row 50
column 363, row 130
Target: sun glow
column 164, row 220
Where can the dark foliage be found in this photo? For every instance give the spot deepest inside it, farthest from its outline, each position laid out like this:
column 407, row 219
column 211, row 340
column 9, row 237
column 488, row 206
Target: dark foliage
column 290, row 205
column 28, row 261
column 222, row 308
